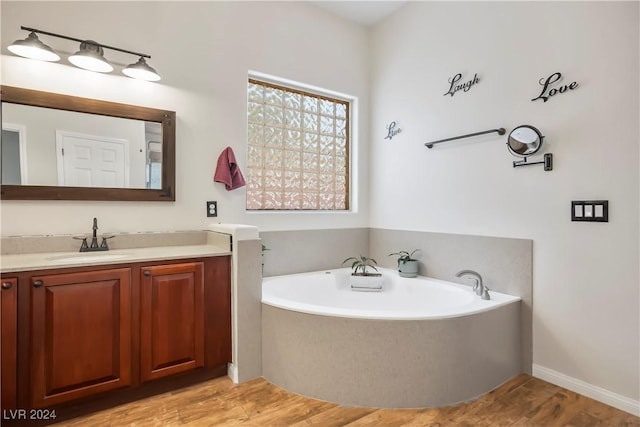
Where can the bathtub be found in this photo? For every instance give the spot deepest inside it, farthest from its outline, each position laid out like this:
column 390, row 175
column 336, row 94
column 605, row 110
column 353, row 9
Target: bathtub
column 421, row 342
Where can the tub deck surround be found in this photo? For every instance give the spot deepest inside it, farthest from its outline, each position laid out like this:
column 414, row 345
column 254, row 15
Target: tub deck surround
column 246, row 291
column 422, row 360
column 506, row 265
column 299, row 251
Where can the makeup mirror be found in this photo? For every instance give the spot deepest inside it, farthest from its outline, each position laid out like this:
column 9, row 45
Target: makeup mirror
column 524, row 141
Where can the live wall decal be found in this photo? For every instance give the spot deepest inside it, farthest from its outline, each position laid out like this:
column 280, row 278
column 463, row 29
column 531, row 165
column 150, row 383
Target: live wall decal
column 546, row 83
column 454, row 86
column 392, row 130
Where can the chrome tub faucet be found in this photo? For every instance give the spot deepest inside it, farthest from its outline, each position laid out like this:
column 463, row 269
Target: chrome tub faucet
column 478, row 287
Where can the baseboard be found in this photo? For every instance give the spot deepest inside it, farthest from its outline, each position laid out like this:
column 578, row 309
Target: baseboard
column 232, row 372
column 594, row 392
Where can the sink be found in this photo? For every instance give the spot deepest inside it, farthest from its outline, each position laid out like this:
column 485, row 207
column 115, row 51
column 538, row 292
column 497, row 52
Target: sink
column 84, row 257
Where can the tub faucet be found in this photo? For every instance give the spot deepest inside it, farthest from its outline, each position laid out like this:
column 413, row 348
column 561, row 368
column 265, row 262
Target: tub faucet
column 478, row 287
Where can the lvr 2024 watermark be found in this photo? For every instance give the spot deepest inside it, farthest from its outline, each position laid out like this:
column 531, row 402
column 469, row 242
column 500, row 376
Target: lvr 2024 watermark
column 28, row 414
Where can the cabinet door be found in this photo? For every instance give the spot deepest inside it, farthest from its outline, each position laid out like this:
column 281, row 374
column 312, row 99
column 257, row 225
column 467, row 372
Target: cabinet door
column 81, row 335
column 8, row 342
column 171, row 319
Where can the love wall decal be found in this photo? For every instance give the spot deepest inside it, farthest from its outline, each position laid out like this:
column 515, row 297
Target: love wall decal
column 548, row 93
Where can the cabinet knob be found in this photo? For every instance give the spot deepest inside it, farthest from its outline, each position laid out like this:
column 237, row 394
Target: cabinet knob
column 147, row 273
column 37, row 283
column 7, row 285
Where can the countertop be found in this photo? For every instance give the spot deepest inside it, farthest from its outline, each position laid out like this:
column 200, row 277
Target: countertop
column 51, row 260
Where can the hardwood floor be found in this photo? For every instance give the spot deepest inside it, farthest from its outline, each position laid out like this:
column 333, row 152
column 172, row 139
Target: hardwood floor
column 522, row 401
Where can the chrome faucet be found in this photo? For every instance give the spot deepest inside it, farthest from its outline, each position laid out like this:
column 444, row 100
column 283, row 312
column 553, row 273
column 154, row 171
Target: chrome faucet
column 94, row 247
column 478, row 287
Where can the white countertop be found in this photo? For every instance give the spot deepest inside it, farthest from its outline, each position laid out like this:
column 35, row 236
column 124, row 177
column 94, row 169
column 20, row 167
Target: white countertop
column 50, row 260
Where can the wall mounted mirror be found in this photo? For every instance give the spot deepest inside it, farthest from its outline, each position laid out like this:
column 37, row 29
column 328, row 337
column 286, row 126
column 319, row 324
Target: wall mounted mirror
column 60, row 147
column 525, row 141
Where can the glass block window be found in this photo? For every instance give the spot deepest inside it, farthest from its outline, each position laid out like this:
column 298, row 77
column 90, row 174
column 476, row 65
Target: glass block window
column 298, row 149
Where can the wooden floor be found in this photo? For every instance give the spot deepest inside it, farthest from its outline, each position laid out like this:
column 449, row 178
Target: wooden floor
column 523, row 401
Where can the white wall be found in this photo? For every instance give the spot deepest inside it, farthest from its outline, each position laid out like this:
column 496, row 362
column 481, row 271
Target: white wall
column 203, row 50
column 586, row 283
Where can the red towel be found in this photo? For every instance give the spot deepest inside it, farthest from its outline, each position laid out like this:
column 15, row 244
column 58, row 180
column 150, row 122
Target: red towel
column 228, row 171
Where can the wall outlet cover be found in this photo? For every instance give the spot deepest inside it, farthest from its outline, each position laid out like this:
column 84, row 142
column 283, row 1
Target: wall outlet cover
column 212, row 209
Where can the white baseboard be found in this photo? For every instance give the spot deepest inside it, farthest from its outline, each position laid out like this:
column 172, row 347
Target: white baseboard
column 232, row 372
column 594, row 392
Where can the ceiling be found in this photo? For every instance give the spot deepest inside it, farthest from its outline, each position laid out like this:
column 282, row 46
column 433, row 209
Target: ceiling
column 363, row 12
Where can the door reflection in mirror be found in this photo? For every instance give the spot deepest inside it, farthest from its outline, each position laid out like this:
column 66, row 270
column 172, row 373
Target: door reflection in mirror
column 13, row 153
column 11, row 157
column 126, row 153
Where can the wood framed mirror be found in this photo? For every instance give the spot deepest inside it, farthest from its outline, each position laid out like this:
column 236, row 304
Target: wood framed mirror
column 61, row 147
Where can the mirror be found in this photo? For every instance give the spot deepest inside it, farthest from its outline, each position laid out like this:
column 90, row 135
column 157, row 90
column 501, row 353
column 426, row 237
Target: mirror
column 524, row 141
column 59, row 147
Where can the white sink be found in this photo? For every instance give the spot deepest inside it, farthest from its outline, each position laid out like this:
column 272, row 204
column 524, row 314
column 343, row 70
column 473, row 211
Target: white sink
column 84, row 257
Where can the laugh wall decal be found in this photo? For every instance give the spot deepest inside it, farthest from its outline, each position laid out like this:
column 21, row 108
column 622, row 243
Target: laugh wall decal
column 463, row 86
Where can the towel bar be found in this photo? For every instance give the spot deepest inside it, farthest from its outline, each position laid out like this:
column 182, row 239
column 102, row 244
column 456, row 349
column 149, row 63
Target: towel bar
column 499, row 131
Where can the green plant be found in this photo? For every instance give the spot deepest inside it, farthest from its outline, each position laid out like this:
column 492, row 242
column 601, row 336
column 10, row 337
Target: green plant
column 404, row 256
column 362, row 264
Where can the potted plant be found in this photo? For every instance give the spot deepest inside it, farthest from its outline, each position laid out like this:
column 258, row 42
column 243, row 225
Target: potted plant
column 407, row 265
column 362, row 279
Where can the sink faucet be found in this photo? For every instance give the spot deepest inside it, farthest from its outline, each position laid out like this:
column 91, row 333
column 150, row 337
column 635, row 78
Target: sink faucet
column 94, row 247
column 478, row 286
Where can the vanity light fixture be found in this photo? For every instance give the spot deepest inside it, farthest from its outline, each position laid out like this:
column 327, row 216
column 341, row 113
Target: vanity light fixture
column 141, row 70
column 33, row 48
column 89, row 57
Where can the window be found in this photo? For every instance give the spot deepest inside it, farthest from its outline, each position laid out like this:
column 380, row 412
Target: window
column 298, row 149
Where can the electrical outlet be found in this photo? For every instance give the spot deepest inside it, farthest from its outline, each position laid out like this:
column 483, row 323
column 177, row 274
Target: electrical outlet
column 212, row 209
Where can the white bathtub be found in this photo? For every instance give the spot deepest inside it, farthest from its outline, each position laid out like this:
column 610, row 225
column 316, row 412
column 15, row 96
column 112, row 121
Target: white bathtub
column 419, row 343
column 329, row 293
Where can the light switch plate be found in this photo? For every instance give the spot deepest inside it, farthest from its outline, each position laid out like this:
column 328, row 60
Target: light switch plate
column 590, row 210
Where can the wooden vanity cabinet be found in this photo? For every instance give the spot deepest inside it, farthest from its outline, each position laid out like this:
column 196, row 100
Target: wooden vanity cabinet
column 171, row 319
column 80, row 334
column 8, row 341
column 80, row 339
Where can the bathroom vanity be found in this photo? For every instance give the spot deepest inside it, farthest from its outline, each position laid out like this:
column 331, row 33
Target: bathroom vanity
column 80, row 333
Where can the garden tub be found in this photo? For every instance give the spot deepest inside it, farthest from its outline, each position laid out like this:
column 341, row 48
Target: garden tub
column 420, row 342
